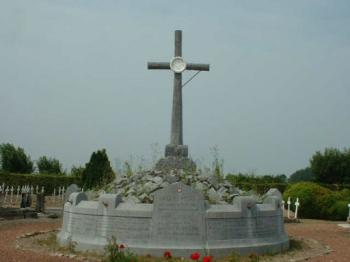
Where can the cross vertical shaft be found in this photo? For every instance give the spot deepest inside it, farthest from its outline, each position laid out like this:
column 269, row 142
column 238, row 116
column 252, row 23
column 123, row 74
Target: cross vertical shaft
column 177, row 65
column 176, row 118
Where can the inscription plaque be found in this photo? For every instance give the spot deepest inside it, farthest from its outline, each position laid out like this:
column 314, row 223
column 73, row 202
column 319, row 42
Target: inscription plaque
column 178, row 217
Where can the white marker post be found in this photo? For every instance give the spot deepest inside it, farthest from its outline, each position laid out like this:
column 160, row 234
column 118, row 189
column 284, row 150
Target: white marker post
column 11, row 195
column 297, row 204
column 54, row 195
column 17, row 193
column 6, row 192
column 349, row 213
column 62, row 195
column 288, row 203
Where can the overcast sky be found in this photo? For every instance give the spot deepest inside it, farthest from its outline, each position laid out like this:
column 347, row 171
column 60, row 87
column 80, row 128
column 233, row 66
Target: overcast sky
column 73, row 79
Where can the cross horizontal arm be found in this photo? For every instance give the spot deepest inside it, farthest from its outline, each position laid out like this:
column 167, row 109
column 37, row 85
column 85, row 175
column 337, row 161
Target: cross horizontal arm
column 158, row 65
column 198, row 67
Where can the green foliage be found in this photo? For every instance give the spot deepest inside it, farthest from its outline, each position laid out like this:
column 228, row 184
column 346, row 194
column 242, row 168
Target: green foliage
column 98, row 170
column 77, row 172
column 339, row 210
column 301, row 175
column 259, row 184
column 309, row 194
column 127, row 169
column 49, row 165
column 332, row 166
column 14, row 159
column 317, row 201
column 117, row 253
column 49, row 182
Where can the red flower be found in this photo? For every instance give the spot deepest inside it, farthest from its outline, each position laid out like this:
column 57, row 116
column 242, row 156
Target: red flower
column 167, row 254
column 195, row 256
column 121, row 246
column 207, row 258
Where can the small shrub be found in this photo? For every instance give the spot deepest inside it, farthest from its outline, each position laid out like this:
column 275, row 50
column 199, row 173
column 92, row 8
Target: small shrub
column 309, row 195
column 118, row 253
column 339, row 210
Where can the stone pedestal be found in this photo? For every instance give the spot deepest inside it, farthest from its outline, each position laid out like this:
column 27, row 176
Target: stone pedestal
column 176, row 151
column 40, row 203
column 176, row 157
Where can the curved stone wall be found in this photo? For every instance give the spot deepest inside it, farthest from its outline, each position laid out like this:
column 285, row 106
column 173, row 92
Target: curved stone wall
column 179, row 220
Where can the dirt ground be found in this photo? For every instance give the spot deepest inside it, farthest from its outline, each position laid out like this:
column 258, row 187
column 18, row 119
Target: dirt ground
column 323, row 241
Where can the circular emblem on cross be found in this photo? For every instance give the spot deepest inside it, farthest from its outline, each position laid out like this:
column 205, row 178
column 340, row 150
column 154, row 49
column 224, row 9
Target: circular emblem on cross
column 178, row 64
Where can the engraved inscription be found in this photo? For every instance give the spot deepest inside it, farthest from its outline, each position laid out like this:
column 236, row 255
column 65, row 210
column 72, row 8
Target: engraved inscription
column 178, row 216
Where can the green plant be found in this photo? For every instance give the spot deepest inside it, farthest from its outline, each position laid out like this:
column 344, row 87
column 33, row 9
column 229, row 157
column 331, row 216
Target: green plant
column 302, row 175
column 98, row 170
column 49, row 165
column 15, row 160
column 319, row 202
column 127, row 169
column 339, row 210
column 309, row 195
column 331, row 166
column 118, row 253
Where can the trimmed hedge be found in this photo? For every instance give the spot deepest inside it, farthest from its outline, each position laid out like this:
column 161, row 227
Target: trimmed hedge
column 319, row 202
column 49, row 182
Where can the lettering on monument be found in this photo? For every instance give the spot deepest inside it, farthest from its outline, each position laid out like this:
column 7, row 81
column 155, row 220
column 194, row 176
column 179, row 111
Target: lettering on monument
column 178, row 212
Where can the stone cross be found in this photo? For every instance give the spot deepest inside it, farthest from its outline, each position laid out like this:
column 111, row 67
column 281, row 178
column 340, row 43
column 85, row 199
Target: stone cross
column 297, row 204
column 177, row 65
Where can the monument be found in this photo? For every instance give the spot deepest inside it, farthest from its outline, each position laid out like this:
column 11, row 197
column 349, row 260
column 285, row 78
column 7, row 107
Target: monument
column 176, row 153
column 181, row 219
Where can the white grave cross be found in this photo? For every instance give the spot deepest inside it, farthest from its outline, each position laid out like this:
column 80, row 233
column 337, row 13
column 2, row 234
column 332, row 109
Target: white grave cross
column 297, row 204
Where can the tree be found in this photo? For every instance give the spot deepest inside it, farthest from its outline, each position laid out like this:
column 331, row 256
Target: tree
column 98, row 170
column 49, row 165
column 332, row 166
column 77, row 172
column 302, row 175
column 15, row 160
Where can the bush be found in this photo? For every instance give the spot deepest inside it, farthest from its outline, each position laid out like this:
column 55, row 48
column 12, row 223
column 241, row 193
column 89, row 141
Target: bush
column 15, row 159
column 302, row 175
column 331, row 166
column 309, row 194
column 339, row 210
column 319, row 202
column 98, row 170
column 49, row 165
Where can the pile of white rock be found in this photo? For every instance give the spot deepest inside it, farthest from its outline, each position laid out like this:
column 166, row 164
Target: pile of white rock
column 139, row 187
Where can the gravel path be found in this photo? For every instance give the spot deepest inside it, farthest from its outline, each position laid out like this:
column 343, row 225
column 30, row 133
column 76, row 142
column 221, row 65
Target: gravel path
column 9, row 230
column 328, row 233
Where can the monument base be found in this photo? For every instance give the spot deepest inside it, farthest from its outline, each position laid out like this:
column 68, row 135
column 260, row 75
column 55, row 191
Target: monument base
column 176, row 157
column 179, row 221
column 172, row 163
